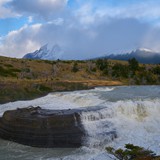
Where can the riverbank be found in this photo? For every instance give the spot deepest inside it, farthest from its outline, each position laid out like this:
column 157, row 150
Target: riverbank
column 131, row 112
column 25, row 79
column 31, row 89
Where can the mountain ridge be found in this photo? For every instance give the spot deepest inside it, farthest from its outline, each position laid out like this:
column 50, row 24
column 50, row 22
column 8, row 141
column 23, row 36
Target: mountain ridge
column 45, row 53
column 143, row 55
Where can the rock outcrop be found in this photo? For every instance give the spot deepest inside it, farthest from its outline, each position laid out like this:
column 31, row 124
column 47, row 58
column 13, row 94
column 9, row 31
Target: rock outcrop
column 43, row 128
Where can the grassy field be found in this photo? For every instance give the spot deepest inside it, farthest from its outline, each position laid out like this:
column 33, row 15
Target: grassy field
column 22, row 79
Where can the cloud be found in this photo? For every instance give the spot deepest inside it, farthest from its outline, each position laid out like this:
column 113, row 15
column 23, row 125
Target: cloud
column 30, row 19
column 40, row 8
column 4, row 11
column 143, row 10
column 152, row 39
column 84, row 31
column 20, row 41
column 77, row 42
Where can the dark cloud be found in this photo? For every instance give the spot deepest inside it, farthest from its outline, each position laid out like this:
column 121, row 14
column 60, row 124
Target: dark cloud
column 114, row 37
column 40, row 8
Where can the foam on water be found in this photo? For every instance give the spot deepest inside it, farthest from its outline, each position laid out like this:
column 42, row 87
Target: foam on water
column 121, row 115
column 63, row 100
column 134, row 122
column 104, row 89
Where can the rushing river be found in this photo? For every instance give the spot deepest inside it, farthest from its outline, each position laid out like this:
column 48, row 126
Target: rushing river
column 133, row 113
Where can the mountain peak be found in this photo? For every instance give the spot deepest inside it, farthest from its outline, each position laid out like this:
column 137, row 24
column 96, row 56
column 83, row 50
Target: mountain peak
column 44, row 47
column 145, row 50
column 143, row 55
column 45, row 52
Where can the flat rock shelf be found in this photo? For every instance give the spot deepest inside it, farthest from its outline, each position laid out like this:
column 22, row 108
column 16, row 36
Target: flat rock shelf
column 43, row 128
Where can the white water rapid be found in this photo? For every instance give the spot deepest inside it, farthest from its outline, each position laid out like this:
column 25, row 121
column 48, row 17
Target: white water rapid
column 120, row 115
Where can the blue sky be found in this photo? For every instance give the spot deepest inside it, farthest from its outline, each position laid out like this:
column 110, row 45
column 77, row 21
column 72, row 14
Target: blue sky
column 82, row 28
column 10, row 24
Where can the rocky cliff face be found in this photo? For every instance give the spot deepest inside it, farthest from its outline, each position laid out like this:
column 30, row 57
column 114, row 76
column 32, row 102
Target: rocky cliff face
column 42, row 128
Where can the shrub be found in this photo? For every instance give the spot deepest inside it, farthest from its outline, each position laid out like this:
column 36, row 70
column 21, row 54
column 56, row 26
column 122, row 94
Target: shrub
column 119, row 70
column 156, row 70
column 75, row 67
column 8, row 65
column 102, row 64
column 27, row 70
column 133, row 64
column 44, row 88
column 132, row 152
column 8, row 72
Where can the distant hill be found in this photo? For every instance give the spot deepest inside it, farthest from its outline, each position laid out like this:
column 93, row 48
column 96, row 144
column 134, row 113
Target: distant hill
column 45, row 53
column 143, row 55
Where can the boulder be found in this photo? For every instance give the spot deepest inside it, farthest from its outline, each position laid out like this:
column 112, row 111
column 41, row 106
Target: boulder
column 43, row 128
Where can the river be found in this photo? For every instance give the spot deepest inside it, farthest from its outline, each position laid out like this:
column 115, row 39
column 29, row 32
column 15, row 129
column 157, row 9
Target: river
column 130, row 112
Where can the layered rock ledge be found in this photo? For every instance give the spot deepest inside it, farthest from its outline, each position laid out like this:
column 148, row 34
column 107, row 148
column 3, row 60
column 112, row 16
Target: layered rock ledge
column 43, row 128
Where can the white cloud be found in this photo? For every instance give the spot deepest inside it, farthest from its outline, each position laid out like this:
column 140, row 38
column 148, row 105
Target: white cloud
column 85, row 14
column 58, row 21
column 30, row 19
column 142, row 10
column 76, row 41
column 84, row 32
column 20, row 41
column 152, row 39
column 4, row 11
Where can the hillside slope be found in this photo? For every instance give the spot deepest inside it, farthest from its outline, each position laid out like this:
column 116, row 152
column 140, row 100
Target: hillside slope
column 22, row 79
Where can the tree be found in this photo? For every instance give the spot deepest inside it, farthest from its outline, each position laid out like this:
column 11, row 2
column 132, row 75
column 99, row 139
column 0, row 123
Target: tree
column 133, row 64
column 102, row 64
column 119, row 70
column 156, row 70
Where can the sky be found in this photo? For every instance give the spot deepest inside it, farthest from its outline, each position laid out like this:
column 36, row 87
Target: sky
column 82, row 28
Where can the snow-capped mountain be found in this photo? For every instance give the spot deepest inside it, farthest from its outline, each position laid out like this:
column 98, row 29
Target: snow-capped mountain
column 143, row 55
column 145, row 50
column 46, row 53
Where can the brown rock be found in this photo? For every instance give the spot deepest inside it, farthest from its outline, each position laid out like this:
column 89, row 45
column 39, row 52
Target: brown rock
column 43, row 128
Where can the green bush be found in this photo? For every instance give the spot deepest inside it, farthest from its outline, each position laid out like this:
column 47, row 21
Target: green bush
column 44, row 88
column 102, row 64
column 8, row 72
column 132, row 152
column 8, row 65
column 156, row 70
column 119, row 70
column 27, row 70
column 75, row 67
column 133, row 64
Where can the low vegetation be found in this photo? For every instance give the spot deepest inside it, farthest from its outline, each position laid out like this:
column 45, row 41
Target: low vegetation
column 27, row 79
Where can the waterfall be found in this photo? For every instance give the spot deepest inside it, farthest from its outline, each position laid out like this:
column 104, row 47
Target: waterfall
column 127, row 120
column 111, row 116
